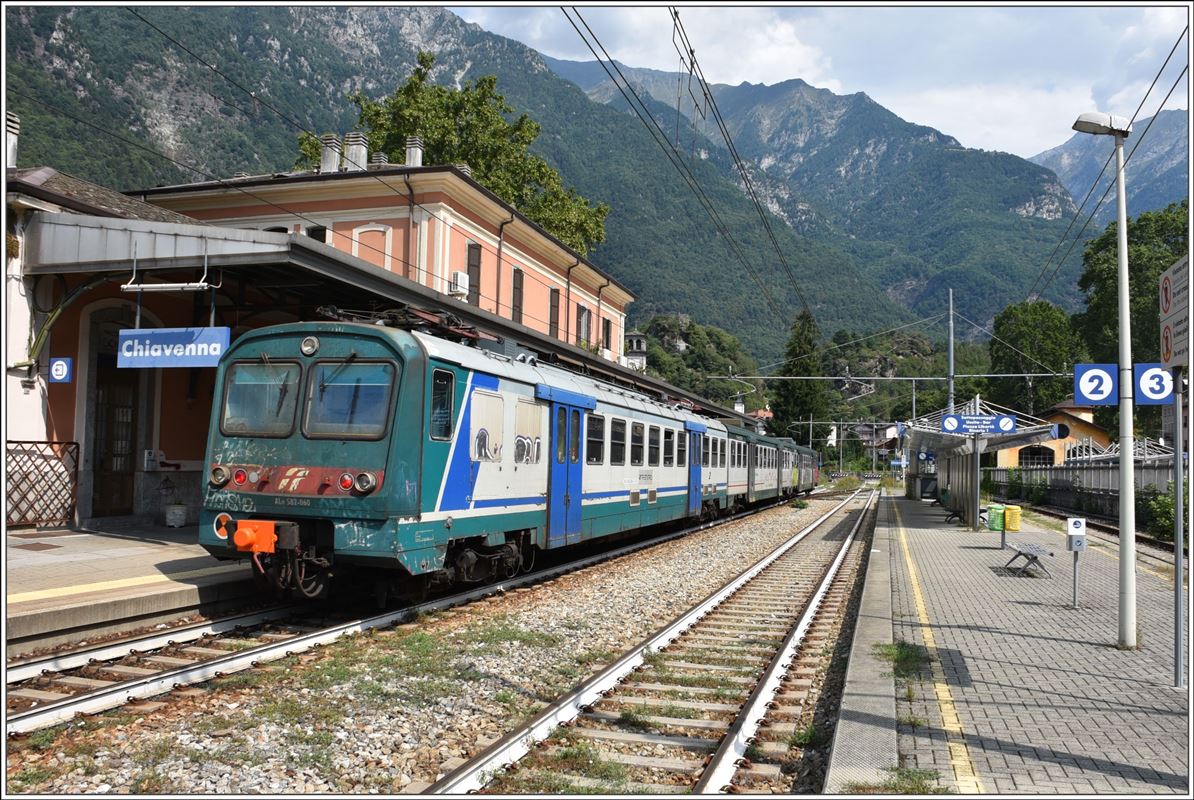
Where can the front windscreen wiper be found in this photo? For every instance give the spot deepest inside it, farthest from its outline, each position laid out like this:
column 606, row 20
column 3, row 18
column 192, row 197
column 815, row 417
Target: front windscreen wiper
column 323, row 384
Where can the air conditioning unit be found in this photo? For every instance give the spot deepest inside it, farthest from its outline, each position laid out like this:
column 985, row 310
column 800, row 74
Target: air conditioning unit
column 459, row 285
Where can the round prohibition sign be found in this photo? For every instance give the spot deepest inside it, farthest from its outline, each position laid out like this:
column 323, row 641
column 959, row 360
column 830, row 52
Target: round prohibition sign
column 1006, row 423
column 1096, row 384
column 1155, row 383
column 950, row 423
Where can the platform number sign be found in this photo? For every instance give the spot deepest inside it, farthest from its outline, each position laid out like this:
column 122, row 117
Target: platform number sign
column 1154, row 385
column 61, row 369
column 1096, row 385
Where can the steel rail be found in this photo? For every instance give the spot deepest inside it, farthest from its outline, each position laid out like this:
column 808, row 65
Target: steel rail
column 138, row 688
column 24, row 670
column 473, row 775
column 719, row 772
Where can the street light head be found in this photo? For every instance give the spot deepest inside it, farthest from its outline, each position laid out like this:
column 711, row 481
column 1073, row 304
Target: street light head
column 1100, row 124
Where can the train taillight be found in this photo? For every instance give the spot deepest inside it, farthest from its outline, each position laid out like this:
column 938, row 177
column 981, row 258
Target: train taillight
column 239, row 476
column 347, row 482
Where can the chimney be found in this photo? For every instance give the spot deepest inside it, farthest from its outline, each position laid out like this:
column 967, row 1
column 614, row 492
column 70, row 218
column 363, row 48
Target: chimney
column 12, row 128
column 414, row 151
column 356, row 152
column 329, row 153
column 379, row 160
column 465, row 168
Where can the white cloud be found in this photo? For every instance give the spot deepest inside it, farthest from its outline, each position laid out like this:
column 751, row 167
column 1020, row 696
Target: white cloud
column 1019, row 120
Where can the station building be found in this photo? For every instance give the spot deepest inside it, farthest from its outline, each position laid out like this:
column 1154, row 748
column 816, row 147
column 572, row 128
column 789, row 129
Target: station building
column 1083, row 433
column 95, row 444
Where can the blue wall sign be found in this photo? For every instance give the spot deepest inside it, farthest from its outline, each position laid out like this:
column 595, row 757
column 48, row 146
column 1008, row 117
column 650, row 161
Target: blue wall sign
column 1096, row 384
column 978, row 423
column 62, row 370
column 1153, row 384
column 142, row 348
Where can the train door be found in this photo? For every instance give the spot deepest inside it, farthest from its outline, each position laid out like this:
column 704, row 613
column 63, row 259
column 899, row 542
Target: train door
column 694, row 432
column 564, row 502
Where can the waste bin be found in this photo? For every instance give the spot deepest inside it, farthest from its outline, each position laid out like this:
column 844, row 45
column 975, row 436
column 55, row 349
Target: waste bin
column 994, row 517
column 1011, row 518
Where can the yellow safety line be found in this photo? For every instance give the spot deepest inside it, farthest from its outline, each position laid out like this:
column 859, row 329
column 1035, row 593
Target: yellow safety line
column 959, row 754
column 122, row 583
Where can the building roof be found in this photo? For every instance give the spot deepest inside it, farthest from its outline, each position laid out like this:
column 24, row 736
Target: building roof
column 282, row 178
column 1068, row 403
column 47, row 183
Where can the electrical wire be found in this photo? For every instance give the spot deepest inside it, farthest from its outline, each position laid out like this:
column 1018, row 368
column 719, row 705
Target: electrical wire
column 1004, row 341
column 822, row 351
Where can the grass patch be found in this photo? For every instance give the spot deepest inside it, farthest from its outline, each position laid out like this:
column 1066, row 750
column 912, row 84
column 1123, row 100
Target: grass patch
column 292, row 711
column 907, row 659
column 504, row 631
column 799, row 502
column 754, row 752
column 152, row 782
column 808, row 736
column 245, row 679
column 598, row 655
column 679, row 712
column 847, row 483
column 912, row 721
column 903, row 781
column 633, row 718
column 154, row 752
column 584, row 759
column 29, row 777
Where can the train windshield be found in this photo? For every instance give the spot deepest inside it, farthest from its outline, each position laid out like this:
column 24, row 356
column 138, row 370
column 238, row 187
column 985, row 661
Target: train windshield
column 349, row 400
column 260, row 399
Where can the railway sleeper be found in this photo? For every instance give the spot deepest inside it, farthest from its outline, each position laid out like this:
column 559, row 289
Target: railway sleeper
column 682, row 766
column 694, row 705
column 673, row 722
column 636, row 787
column 692, row 743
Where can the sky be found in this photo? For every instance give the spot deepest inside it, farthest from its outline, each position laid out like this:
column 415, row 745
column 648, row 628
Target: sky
column 1010, row 78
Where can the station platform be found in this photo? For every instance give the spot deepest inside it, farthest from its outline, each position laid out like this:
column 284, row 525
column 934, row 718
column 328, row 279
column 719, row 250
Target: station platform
column 1020, row 693
column 126, row 576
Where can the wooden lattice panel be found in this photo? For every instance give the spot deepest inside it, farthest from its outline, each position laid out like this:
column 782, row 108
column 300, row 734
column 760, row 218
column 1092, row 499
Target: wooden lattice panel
column 43, row 479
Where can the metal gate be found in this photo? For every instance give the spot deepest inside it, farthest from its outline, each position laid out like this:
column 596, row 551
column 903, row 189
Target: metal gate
column 43, row 479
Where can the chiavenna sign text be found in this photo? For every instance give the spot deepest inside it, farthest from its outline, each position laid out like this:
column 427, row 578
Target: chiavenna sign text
column 143, row 348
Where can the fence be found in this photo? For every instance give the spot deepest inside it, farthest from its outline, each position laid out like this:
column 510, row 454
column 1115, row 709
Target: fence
column 43, row 480
column 1082, row 487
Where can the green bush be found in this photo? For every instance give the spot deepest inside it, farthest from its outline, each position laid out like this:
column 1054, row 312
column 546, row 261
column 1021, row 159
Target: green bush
column 1154, row 512
column 1015, row 484
column 1038, row 493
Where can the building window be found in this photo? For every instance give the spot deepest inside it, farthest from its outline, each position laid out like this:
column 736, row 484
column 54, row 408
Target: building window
column 617, row 442
column 474, row 274
column 595, row 440
column 516, row 298
column 318, row 233
column 553, row 319
column 607, row 334
column 584, row 326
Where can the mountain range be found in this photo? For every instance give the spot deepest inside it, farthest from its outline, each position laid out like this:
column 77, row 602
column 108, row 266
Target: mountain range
column 875, row 217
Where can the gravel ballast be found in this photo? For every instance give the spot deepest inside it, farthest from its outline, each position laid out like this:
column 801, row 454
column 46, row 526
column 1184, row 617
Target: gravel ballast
column 380, row 713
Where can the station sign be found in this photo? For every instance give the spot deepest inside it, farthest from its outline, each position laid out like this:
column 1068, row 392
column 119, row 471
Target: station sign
column 61, row 370
column 1173, row 290
column 1153, row 383
column 146, row 348
column 978, row 423
column 1096, row 384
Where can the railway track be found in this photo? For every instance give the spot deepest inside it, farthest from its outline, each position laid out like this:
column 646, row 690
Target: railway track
column 46, row 691
column 710, row 701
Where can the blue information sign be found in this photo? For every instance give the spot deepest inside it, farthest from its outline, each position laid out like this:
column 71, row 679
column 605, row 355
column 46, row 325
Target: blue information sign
column 62, row 370
column 1153, row 384
column 978, row 423
column 1096, row 384
column 142, row 348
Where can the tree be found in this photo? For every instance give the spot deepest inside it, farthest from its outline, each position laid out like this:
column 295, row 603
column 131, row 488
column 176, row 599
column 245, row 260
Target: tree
column 1156, row 239
column 794, row 401
column 471, row 125
column 1033, row 336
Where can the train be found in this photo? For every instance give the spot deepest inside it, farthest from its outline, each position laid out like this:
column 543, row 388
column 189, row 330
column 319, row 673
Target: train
column 349, row 452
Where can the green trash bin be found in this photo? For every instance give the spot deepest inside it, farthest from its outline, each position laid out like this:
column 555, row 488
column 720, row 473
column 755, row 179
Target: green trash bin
column 994, row 517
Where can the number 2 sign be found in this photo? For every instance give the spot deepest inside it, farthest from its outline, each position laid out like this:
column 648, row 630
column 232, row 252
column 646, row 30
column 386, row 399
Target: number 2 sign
column 1154, row 385
column 1096, row 384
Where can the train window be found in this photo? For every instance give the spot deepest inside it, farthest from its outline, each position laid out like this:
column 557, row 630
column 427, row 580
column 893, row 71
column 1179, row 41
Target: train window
column 595, row 440
column 636, row 444
column 721, row 452
column 669, row 447
column 705, row 443
column 561, row 434
column 488, row 426
column 682, row 449
column 653, row 446
column 574, row 439
column 443, row 395
column 260, row 399
column 617, row 442
column 348, row 400
column 528, row 432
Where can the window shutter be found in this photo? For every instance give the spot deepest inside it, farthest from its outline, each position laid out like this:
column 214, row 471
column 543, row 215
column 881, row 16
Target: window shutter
column 474, row 274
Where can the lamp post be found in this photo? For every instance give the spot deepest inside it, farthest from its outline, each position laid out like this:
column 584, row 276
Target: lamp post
column 1101, row 124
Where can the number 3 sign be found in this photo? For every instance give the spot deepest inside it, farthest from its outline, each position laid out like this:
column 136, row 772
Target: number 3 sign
column 1154, row 385
column 1096, row 384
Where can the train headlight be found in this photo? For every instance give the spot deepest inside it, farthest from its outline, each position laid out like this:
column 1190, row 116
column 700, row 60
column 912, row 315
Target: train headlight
column 309, row 345
column 239, row 476
column 365, row 482
column 347, row 482
column 219, row 475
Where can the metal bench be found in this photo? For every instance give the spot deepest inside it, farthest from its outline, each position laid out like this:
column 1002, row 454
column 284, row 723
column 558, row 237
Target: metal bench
column 961, row 516
column 1032, row 553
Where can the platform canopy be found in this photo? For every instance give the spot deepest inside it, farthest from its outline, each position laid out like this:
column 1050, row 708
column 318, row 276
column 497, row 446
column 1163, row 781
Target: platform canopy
column 925, row 434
